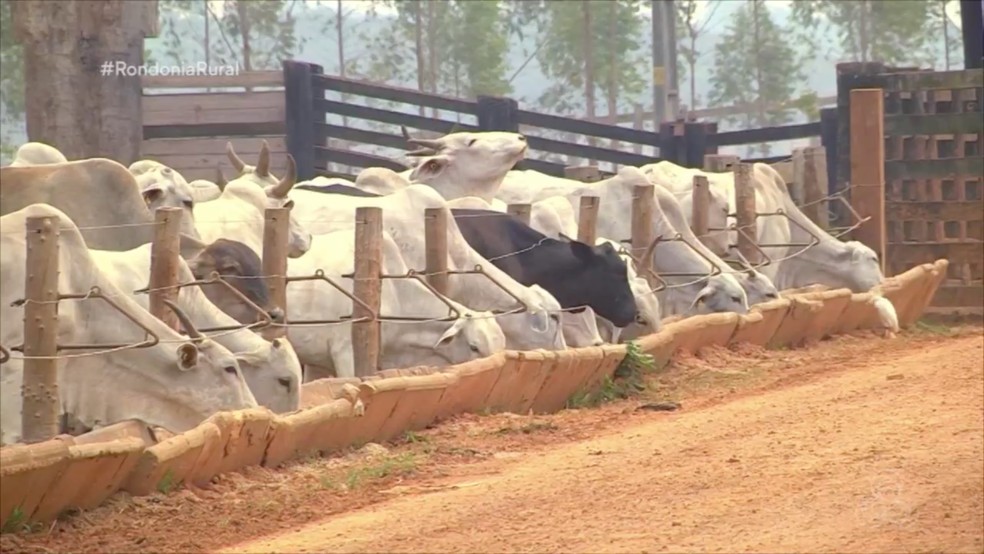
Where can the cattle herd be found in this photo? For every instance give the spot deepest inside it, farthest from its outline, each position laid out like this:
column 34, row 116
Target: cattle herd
column 541, row 290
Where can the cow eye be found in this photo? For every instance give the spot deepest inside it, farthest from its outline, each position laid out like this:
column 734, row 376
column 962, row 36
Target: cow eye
column 230, row 369
column 771, row 295
column 229, row 270
column 473, row 348
column 189, row 204
column 736, row 299
column 555, row 318
column 285, row 381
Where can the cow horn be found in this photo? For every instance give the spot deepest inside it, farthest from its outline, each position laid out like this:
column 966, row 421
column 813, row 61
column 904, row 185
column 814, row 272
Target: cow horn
column 433, row 144
column 421, row 152
column 455, row 128
column 263, row 164
column 406, row 134
column 194, row 334
column 237, row 163
column 220, row 180
column 288, row 180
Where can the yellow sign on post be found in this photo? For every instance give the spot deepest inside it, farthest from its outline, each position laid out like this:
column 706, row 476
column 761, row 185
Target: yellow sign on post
column 659, row 75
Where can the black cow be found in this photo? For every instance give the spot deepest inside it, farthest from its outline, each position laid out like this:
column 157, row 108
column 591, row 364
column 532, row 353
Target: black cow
column 338, row 189
column 239, row 266
column 574, row 273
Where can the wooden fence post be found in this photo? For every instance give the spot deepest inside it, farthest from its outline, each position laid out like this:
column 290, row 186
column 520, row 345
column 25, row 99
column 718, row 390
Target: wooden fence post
column 672, row 144
column 643, row 206
column 368, row 288
column 795, row 185
column 828, row 139
column 868, row 167
column 696, row 140
column 41, row 406
column 497, row 114
column 522, row 211
column 701, row 203
column 164, row 258
column 587, row 220
column 436, row 245
column 745, row 216
column 815, row 185
column 583, row 173
column 276, row 235
column 300, row 116
column 719, row 163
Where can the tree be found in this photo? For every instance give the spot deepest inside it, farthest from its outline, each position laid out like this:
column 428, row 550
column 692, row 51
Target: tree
column 70, row 103
column 576, row 42
column 690, row 27
column 896, row 33
column 11, row 79
column 754, row 64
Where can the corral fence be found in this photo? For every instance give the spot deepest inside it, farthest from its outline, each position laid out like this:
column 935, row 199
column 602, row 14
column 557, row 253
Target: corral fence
column 334, row 126
column 931, row 137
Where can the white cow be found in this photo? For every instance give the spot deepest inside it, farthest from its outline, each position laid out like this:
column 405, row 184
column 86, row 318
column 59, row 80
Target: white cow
column 380, row 180
column 831, row 262
column 402, row 343
column 163, row 187
column 688, row 292
column 174, row 384
column 403, row 218
column 669, row 176
column 466, row 164
column 37, row 153
column 239, row 213
column 272, row 369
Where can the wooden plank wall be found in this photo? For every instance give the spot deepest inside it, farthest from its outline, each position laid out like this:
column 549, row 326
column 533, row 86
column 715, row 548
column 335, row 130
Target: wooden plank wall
column 934, row 134
column 188, row 121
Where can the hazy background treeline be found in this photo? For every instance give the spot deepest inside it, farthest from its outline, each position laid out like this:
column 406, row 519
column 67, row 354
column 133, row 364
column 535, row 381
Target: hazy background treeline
column 774, row 56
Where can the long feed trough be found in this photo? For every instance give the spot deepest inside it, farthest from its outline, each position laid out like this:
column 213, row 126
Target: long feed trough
column 40, row 481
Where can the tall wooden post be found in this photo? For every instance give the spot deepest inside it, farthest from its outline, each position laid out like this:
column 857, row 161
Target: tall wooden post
column 745, row 212
column 643, row 208
column 41, row 405
column 583, row 173
column 701, row 203
column 436, row 244
column 868, row 167
column 522, row 211
column 719, row 163
column 367, row 287
column 165, row 253
column 276, row 239
column 587, row 220
column 815, row 185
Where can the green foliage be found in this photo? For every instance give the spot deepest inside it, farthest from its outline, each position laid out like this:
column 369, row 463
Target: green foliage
column 755, row 64
column 462, row 48
column 689, row 26
column 15, row 522
column 897, row 33
column 614, row 53
column 253, row 35
column 627, row 381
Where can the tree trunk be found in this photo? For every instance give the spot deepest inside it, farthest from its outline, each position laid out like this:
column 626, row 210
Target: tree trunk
column 863, row 36
column 419, row 50
column 692, row 62
column 946, row 35
column 243, row 12
column 432, row 41
column 589, row 78
column 69, row 103
column 756, row 42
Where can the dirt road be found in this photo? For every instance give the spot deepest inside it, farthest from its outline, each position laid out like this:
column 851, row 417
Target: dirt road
column 885, row 459
column 855, row 445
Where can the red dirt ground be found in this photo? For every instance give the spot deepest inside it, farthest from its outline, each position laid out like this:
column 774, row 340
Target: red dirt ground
column 857, row 444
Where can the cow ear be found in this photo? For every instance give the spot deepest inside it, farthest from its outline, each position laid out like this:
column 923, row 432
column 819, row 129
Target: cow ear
column 190, row 247
column 582, row 251
column 449, row 334
column 702, row 296
column 187, row 356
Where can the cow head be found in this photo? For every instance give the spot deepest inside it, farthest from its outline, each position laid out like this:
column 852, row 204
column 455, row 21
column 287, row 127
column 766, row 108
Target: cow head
column 721, row 293
column 473, row 335
column 239, row 266
column 466, row 163
column 600, row 276
column 273, row 373
column 758, row 287
column 580, row 328
column 276, row 191
column 163, row 187
column 37, row 153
